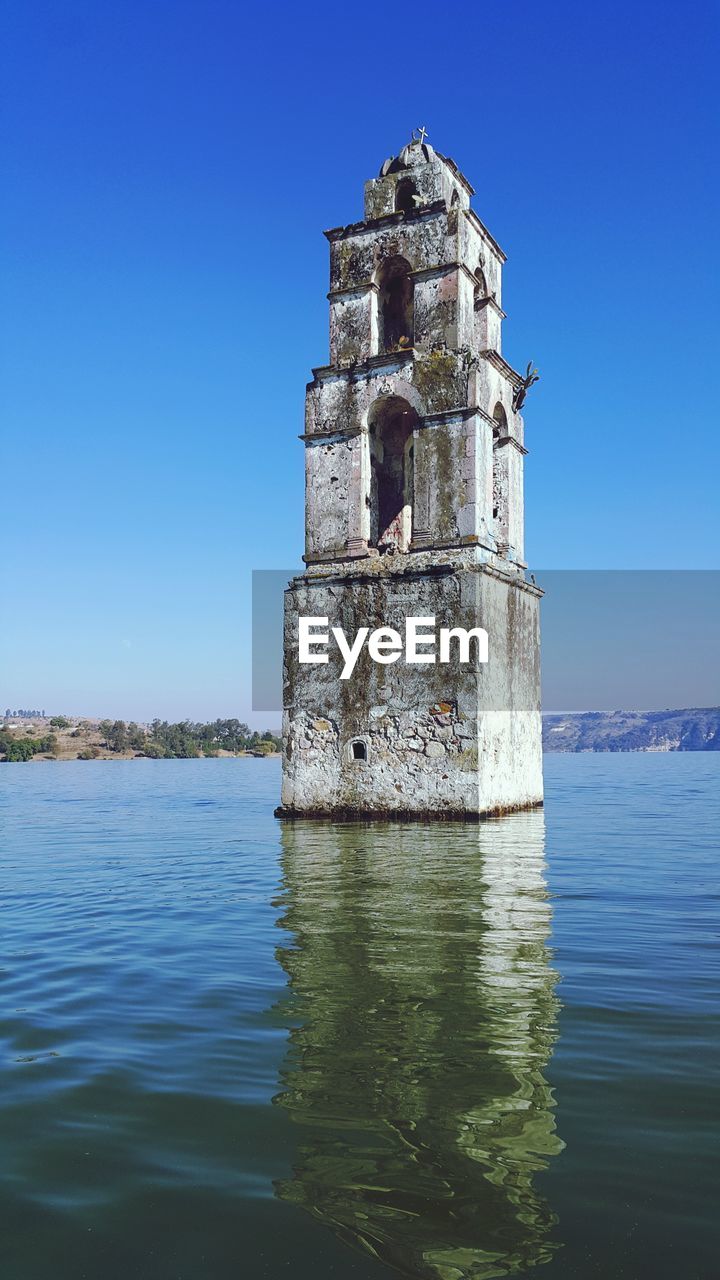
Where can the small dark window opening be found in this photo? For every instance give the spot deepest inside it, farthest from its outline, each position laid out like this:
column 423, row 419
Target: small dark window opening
column 359, row 751
column 404, row 196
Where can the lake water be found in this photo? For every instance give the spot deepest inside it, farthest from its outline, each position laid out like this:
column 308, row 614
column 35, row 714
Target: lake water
column 231, row 1047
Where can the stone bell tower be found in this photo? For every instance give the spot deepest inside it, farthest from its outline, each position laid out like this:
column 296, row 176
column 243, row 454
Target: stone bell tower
column 414, row 455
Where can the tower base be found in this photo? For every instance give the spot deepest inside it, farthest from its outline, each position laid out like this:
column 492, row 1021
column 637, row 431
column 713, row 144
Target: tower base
column 424, row 742
column 397, row 815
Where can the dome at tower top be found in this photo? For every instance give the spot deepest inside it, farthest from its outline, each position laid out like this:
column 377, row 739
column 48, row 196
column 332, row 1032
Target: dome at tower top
column 414, row 153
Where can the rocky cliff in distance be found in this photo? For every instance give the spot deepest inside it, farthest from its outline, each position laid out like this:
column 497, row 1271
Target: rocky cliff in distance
column 694, row 729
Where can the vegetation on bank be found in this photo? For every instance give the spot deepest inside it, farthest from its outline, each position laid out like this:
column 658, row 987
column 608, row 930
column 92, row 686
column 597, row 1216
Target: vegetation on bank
column 90, row 740
column 15, row 748
column 186, row 739
column 691, row 729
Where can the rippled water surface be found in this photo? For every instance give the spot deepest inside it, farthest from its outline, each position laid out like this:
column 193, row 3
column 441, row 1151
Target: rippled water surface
column 231, row 1047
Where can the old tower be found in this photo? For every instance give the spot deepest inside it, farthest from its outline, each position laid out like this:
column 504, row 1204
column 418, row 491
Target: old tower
column 414, row 457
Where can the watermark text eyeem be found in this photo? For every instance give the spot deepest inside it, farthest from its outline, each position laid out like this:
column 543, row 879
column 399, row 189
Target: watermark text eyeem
column 421, row 644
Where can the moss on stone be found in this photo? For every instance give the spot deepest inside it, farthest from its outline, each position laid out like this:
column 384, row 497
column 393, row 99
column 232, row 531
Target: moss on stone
column 441, row 463
column 435, row 377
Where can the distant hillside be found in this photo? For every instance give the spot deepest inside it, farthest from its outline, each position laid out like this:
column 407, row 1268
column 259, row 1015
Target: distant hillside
column 25, row 738
column 695, row 729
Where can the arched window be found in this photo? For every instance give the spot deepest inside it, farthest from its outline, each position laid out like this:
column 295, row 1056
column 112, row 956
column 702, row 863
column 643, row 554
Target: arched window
column 390, row 425
column 395, row 305
column 482, row 314
column 500, row 420
column 358, row 750
column 405, row 193
column 500, row 479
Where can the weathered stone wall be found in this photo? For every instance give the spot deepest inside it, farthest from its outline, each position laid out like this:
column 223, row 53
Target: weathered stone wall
column 440, row 738
column 340, row 400
column 476, row 248
column 328, row 487
column 457, row 469
column 442, row 480
column 432, row 178
column 353, row 327
column 443, row 263
column 436, row 310
column 415, row 317
column 358, row 252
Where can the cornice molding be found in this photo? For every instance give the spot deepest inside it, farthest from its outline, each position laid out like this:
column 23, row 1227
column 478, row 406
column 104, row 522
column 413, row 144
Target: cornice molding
column 358, row 290
column 460, row 413
column 430, row 273
column 472, row 217
column 490, row 301
column 387, row 359
column 424, row 214
column 337, row 436
column 503, row 440
column 503, row 368
column 457, row 173
column 486, row 417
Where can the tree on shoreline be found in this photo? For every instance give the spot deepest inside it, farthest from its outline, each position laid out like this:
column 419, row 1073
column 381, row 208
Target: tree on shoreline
column 186, row 739
column 163, row 740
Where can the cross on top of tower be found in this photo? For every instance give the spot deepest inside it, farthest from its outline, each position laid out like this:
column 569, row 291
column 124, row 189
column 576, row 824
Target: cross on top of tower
column 419, row 135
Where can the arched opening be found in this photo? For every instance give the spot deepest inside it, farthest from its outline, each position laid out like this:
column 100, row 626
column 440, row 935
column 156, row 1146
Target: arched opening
column 405, row 193
column 480, row 305
column 358, row 750
column 500, row 420
column 395, row 305
column 480, row 290
column 500, row 495
column 391, row 423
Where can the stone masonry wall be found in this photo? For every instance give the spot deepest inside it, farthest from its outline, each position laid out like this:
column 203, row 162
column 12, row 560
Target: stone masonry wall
column 447, row 738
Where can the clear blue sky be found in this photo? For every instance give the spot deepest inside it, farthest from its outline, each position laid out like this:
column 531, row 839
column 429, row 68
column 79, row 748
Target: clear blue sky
column 171, row 167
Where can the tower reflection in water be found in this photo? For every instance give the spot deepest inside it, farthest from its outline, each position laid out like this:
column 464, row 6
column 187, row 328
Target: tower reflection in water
column 423, row 1012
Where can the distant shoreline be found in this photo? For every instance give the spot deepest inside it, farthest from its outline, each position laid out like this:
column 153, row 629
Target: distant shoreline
column 689, row 729
column 577, row 732
column 139, row 755
column 28, row 737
